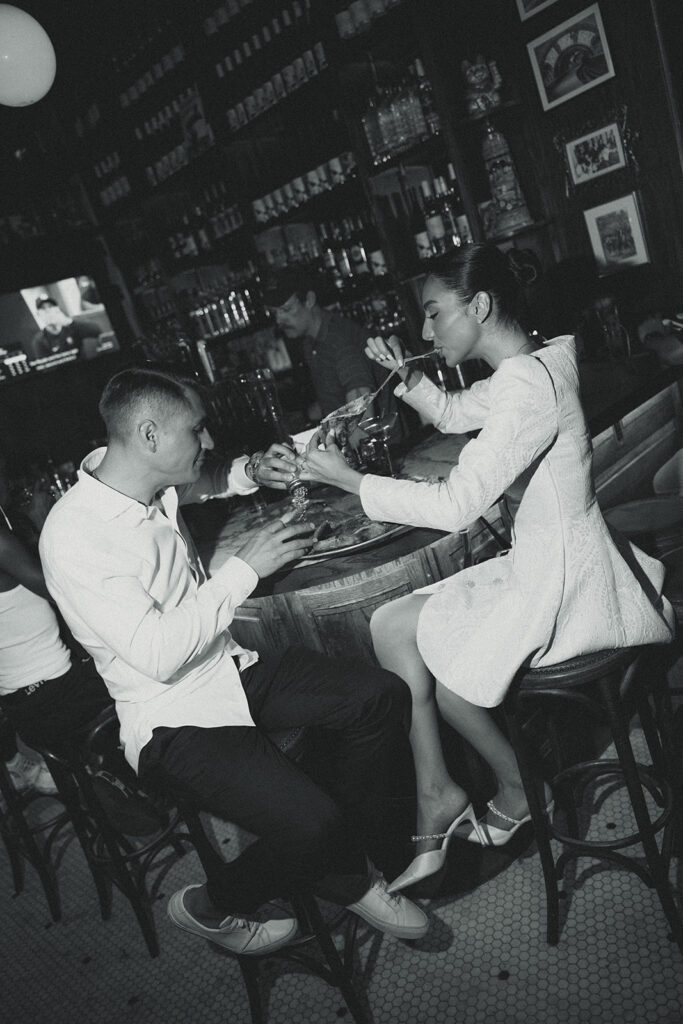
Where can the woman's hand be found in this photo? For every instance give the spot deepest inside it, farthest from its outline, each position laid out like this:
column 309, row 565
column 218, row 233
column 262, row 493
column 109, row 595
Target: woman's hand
column 391, row 354
column 276, row 545
column 276, row 467
column 324, row 462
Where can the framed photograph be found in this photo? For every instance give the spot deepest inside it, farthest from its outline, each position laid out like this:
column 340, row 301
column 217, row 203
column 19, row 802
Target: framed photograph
column 616, row 233
column 527, row 8
column 594, row 154
column 572, row 58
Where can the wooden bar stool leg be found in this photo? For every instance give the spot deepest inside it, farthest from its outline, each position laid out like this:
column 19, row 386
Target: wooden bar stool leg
column 68, row 792
column 538, row 817
column 339, row 971
column 656, row 863
column 251, row 975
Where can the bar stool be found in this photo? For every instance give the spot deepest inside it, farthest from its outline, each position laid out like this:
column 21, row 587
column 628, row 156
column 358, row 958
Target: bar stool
column 31, row 825
column 121, row 830
column 315, row 927
column 653, row 524
column 612, row 685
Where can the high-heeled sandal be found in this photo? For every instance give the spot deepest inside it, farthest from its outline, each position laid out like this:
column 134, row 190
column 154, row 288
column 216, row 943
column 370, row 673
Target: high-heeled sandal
column 489, row 835
column 428, row 863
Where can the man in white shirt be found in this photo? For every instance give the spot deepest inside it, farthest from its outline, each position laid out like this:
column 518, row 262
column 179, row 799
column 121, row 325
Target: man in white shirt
column 194, row 706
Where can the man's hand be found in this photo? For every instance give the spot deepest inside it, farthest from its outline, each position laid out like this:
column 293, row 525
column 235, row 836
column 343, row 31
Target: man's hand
column 277, row 544
column 276, row 467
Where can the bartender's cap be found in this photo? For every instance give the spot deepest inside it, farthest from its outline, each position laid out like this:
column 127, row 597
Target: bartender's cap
column 280, row 285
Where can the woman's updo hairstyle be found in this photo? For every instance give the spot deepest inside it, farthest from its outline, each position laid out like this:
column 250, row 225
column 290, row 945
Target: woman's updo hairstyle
column 481, row 267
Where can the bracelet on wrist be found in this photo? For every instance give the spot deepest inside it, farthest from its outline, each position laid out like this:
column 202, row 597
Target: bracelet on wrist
column 253, row 463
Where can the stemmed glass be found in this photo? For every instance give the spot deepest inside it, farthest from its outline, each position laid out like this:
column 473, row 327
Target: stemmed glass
column 375, row 448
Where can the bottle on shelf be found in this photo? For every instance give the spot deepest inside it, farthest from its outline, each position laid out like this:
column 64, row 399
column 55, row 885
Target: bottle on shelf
column 510, row 206
column 418, row 229
column 426, row 97
column 447, row 212
column 434, row 223
column 456, row 205
column 329, row 261
column 360, row 265
column 373, row 247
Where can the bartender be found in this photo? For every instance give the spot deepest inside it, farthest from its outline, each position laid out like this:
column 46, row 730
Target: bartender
column 326, row 349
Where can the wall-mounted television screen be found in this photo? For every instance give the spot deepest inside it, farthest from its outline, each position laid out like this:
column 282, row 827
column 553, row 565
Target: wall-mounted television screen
column 47, row 325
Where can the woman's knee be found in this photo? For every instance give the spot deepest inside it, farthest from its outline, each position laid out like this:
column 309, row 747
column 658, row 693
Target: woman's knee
column 395, row 624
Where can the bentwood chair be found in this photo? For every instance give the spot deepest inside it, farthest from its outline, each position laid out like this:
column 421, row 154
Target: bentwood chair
column 609, row 688
column 32, row 827
column 124, row 832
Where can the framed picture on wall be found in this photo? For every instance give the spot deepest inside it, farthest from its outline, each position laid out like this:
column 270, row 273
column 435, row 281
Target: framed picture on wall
column 528, row 7
column 616, row 234
column 571, row 58
column 594, row 154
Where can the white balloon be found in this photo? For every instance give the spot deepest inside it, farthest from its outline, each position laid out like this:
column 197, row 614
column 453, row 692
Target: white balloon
column 27, row 58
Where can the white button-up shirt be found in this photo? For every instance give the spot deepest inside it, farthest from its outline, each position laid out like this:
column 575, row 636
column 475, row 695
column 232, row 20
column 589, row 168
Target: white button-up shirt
column 129, row 583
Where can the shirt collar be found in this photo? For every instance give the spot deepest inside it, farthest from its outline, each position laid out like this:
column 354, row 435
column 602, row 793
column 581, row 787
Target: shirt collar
column 111, row 503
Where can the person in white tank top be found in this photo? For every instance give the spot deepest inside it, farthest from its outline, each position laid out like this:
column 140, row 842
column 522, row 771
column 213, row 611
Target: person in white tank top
column 44, row 692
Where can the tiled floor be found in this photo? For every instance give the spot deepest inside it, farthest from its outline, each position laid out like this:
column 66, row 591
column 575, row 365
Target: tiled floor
column 484, row 960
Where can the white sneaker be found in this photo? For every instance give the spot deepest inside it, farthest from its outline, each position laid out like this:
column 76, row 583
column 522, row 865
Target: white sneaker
column 248, row 938
column 23, row 772
column 28, row 774
column 44, row 783
column 390, row 912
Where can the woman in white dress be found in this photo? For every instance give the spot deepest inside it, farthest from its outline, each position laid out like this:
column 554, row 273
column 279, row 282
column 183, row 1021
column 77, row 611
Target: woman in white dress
column 564, row 589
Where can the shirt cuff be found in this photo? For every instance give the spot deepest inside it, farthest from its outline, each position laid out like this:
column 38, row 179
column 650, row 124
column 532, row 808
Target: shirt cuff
column 242, row 577
column 238, row 481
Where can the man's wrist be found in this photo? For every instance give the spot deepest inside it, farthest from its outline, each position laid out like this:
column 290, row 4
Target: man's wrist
column 252, row 465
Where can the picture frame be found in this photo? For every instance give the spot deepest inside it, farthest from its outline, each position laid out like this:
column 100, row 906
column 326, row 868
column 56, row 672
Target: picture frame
column 598, row 152
column 527, row 8
column 616, row 234
column 571, row 58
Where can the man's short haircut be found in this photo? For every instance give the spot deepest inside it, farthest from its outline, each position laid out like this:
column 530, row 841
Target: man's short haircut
column 141, row 391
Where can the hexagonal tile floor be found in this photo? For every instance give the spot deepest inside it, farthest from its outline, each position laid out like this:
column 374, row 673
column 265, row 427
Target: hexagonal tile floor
column 484, row 961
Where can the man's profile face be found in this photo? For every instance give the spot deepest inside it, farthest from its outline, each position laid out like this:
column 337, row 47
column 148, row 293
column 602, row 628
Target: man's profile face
column 293, row 317
column 183, row 440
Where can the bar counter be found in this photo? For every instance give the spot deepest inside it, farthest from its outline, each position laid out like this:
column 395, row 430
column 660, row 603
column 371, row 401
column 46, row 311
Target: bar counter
column 326, row 604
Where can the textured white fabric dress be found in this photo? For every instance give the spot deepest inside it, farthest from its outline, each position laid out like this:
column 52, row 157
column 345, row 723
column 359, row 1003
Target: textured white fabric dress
column 566, row 587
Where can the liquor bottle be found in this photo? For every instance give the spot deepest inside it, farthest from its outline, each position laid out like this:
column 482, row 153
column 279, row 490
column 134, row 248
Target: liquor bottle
column 373, row 247
column 360, row 264
column 373, row 134
column 341, row 252
column 510, row 205
column 328, row 257
column 424, row 91
column 447, row 213
column 436, row 228
column 418, row 229
column 456, row 205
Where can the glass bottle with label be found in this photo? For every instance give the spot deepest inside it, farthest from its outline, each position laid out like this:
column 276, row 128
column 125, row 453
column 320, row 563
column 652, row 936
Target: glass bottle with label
column 436, row 228
column 510, row 206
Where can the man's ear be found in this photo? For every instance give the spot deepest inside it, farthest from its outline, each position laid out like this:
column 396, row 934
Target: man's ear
column 148, row 435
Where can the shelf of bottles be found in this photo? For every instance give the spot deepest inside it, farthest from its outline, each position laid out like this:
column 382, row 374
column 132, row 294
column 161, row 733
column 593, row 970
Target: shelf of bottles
column 357, row 18
column 260, row 60
column 400, row 116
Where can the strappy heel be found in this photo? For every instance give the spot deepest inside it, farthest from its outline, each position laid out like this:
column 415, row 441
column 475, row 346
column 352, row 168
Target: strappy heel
column 428, row 863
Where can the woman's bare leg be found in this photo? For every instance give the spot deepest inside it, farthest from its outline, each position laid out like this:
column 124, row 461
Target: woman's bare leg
column 478, row 727
column 439, row 798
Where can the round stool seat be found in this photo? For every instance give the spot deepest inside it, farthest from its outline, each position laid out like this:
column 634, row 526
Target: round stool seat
column 654, row 524
column 577, row 671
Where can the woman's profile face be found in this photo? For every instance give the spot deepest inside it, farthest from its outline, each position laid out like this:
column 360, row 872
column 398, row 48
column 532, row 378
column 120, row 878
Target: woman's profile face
column 449, row 325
